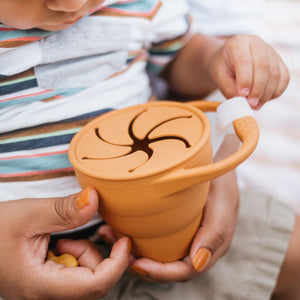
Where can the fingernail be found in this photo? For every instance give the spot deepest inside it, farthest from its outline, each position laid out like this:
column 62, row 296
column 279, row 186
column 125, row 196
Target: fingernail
column 138, row 270
column 244, row 92
column 253, row 101
column 201, row 259
column 83, row 198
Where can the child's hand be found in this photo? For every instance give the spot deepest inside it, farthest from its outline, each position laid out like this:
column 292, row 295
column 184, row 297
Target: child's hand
column 247, row 66
column 24, row 238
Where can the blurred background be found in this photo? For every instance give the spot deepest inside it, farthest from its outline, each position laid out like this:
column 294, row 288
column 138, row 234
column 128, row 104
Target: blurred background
column 274, row 167
column 275, row 164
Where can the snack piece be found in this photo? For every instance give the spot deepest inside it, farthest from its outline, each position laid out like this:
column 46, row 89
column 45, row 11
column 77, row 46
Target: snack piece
column 64, row 259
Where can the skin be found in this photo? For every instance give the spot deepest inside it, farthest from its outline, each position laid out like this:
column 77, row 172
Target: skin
column 26, row 274
column 287, row 287
column 241, row 65
column 215, row 233
column 52, row 15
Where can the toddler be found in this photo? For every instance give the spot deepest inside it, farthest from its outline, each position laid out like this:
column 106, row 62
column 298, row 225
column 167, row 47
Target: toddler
column 64, row 62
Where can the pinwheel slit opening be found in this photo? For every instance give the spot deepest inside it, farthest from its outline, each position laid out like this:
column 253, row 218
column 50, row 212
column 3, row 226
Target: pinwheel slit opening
column 140, row 144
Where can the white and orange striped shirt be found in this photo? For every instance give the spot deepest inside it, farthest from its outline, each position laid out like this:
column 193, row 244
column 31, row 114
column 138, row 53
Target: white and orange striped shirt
column 52, row 83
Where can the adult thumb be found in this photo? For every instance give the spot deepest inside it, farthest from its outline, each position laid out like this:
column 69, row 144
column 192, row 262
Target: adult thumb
column 49, row 215
column 217, row 228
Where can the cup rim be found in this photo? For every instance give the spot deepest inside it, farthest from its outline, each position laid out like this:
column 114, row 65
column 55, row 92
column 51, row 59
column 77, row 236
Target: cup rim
column 172, row 165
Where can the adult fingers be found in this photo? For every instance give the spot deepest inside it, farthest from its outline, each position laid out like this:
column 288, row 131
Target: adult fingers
column 220, row 214
column 84, row 251
column 107, row 235
column 60, row 282
column 42, row 216
column 148, row 269
column 178, row 271
column 113, row 267
column 215, row 233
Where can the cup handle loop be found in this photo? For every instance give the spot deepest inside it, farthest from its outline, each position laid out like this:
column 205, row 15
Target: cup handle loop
column 246, row 128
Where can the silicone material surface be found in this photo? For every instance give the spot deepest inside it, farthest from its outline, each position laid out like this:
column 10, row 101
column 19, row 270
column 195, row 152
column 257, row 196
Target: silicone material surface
column 152, row 165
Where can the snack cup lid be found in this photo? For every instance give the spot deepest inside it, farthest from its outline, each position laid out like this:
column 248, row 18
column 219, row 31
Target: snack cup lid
column 139, row 141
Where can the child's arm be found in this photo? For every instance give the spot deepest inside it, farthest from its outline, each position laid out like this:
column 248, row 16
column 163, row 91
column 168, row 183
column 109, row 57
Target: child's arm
column 242, row 65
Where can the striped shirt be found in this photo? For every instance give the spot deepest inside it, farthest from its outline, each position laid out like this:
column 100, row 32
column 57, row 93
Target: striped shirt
column 53, row 83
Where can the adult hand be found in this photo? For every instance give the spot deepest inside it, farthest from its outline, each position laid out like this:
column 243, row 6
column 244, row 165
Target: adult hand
column 210, row 242
column 247, row 66
column 24, row 237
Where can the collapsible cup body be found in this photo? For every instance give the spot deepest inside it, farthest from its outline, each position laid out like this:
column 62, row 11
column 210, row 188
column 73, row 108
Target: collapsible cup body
column 151, row 165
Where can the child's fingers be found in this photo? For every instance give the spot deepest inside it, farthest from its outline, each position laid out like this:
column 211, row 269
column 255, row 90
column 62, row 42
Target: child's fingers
column 273, row 79
column 225, row 80
column 247, row 66
column 242, row 63
column 283, row 81
column 233, row 68
column 261, row 69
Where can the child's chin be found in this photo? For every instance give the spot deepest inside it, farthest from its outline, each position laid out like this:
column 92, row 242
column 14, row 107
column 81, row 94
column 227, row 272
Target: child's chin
column 58, row 27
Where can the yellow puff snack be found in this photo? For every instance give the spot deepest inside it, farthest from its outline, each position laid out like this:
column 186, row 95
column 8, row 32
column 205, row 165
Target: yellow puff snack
column 64, row 259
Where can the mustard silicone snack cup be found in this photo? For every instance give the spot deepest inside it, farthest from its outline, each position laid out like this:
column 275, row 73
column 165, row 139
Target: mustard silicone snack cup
column 152, row 165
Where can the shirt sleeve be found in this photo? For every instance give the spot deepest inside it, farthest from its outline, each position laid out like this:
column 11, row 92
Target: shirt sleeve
column 172, row 30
